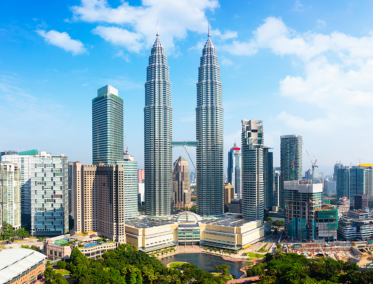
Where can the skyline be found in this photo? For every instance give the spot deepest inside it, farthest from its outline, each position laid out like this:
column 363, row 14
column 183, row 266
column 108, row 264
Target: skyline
column 279, row 81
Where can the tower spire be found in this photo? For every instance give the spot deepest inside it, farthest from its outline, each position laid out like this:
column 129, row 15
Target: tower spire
column 209, row 28
column 157, row 29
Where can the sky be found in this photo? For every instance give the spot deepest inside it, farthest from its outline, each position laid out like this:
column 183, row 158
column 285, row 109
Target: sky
column 303, row 67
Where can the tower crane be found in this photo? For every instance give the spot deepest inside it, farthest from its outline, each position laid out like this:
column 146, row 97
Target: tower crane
column 313, row 166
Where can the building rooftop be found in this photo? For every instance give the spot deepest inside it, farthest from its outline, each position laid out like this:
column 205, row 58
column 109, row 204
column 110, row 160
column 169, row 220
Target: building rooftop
column 147, row 222
column 186, row 217
column 227, row 222
column 14, row 262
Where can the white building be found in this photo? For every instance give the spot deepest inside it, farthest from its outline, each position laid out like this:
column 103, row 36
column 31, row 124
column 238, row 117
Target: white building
column 10, row 194
column 44, row 191
column 131, row 208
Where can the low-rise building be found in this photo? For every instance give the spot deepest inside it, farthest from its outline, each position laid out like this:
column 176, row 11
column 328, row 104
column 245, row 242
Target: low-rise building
column 19, row 266
column 355, row 226
column 327, row 223
column 343, row 205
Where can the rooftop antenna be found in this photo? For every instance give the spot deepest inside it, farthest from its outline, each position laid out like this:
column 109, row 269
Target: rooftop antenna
column 157, row 28
column 209, row 28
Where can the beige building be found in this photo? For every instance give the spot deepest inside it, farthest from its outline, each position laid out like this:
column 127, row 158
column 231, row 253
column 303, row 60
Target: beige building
column 181, row 184
column 228, row 195
column 98, row 200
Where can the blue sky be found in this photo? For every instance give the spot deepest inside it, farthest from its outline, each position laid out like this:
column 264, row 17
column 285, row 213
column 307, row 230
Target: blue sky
column 303, row 67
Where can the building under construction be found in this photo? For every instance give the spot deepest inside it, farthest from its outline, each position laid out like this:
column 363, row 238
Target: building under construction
column 302, row 199
column 327, row 223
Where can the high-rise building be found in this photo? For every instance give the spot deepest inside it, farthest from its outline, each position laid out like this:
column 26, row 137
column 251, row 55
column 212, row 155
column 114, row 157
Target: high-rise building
column 99, row 204
column 10, row 194
column 140, row 175
column 360, row 201
column 70, row 175
column 276, row 184
column 252, row 170
column 308, row 174
column 361, row 180
column 234, row 169
column 131, row 207
column 209, row 134
column 181, row 195
column 336, row 167
column 302, row 199
column 44, row 191
column 268, row 177
column 158, row 134
column 228, row 195
column 291, row 161
column 107, row 126
column 343, row 182
column 192, row 177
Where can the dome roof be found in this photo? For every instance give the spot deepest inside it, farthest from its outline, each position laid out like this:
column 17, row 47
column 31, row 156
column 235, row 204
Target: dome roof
column 186, row 217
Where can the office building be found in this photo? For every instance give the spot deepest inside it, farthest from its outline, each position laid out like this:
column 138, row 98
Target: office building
column 99, row 204
column 291, row 162
column 360, row 201
column 228, row 195
column 268, row 177
column 131, row 208
column 140, row 176
column 107, row 126
column 276, row 184
column 70, row 175
column 361, row 180
column 44, row 191
column 252, row 170
column 337, row 166
column 7, row 152
column 158, row 134
column 343, row 182
column 20, row 265
column 330, row 187
column 235, row 206
column 10, row 194
column 192, row 177
column 308, row 174
column 209, row 134
column 141, row 192
column 356, row 226
column 302, row 199
column 234, row 169
column 181, row 195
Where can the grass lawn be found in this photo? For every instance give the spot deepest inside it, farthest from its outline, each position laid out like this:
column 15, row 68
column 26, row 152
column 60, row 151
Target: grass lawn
column 176, row 264
column 63, row 271
column 256, row 255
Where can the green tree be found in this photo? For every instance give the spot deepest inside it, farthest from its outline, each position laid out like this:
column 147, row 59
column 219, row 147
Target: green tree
column 278, row 245
column 269, row 219
column 61, row 264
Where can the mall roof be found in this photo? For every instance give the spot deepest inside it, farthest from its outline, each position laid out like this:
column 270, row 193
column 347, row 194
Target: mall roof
column 148, row 223
column 227, row 222
column 14, row 262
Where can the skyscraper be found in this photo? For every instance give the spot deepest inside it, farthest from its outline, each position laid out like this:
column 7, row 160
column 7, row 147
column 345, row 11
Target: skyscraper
column 44, row 191
column 343, row 182
column 131, row 207
column 181, row 184
column 291, row 162
column 209, row 128
column 158, row 134
column 234, row 169
column 107, row 126
column 268, row 177
column 276, row 184
column 337, row 165
column 252, row 170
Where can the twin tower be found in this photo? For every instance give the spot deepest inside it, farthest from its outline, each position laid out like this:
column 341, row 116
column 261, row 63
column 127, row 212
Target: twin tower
column 158, row 134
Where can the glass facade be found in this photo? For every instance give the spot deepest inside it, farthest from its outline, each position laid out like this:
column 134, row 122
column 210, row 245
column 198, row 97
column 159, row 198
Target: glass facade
column 268, row 178
column 291, row 162
column 158, row 134
column 343, row 182
column 44, row 192
column 131, row 208
column 107, row 127
column 209, row 134
column 234, row 170
column 188, row 234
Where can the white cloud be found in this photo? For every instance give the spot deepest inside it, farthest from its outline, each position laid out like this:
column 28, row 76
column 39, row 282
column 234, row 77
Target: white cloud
column 63, row 40
column 226, row 61
column 121, row 54
column 117, row 36
column 336, row 89
column 176, row 18
column 321, row 23
column 298, row 6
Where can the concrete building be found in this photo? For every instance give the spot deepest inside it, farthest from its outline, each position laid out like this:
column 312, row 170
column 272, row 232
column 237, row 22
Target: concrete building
column 302, row 199
column 187, row 228
column 326, row 223
column 268, row 177
column 131, row 208
column 107, row 126
column 343, row 182
column 100, row 205
column 228, row 195
column 330, row 187
column 44, row 191
column 360, row 201
column 69, row 186
column 356, row 226
column 252, row 170
column 209, row 135
column 140, row 176
column 343, row 205
column 158, row 134
column 235, row 206
column 181, row 195
column 291, row 162
column 10, row 194
column 234, row 169
column 193, row 177
column 20, row 266
column 308, row 174
column 141, row 192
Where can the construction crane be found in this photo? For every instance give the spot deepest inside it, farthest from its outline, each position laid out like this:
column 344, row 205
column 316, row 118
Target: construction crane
column 313, row 166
